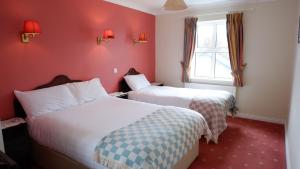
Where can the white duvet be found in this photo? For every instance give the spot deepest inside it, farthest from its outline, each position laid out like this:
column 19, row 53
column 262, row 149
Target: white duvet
column 76, row 131
column 173, row 96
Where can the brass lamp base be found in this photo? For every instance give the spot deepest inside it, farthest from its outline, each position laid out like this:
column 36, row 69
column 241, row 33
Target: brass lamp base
column 25, row 37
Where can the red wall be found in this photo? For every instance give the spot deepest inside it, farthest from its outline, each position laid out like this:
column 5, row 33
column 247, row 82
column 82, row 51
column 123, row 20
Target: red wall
column 68, row 46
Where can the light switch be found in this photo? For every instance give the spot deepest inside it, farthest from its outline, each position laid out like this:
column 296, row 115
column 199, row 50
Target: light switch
column 115, row 70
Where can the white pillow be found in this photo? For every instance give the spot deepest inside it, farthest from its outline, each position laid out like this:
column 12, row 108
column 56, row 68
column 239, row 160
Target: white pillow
column 42, row 101
column 137, row 82
column 87, row 91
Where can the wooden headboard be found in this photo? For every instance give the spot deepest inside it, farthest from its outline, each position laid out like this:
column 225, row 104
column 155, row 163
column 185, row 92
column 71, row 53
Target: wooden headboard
column 123, row 85
column 58, row 80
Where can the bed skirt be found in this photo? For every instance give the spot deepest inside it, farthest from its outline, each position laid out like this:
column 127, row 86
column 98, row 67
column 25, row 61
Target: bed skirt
column 47, row 158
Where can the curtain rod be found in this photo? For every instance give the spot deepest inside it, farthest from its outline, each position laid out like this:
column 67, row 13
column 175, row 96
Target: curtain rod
column 220, row 13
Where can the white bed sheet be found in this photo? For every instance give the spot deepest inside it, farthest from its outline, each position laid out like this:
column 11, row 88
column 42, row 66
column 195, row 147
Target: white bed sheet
column 76, row 131
column 173, row 96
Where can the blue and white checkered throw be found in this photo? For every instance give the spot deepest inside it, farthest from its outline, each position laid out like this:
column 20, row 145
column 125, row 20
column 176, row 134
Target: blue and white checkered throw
column 157, row 141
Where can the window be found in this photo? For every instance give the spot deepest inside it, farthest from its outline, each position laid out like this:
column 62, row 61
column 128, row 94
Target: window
column 211, row 59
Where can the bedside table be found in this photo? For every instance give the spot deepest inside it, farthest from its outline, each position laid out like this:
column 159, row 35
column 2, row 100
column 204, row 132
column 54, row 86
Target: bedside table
column 17, row 142
column 157, row 84
column 119, row 95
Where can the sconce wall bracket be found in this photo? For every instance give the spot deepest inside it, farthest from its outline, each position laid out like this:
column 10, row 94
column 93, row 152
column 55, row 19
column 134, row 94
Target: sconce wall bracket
column 99, row 40
column 108, row 34
column 139, row 41
column 25, row 37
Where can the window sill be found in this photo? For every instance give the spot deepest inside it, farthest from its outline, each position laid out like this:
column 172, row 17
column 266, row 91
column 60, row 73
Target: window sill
column 212, row 82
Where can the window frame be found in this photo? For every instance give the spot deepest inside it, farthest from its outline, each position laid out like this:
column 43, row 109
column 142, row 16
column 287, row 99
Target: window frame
column 214, row 51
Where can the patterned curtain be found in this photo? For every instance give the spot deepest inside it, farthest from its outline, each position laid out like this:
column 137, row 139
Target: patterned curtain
column 235, row 46
column 190, row 31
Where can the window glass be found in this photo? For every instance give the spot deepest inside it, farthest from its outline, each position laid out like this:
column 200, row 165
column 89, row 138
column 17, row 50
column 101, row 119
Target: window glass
column 205, row 36
column 211, row 61
column 223, row 69
column 221, row 36
column 204, row 64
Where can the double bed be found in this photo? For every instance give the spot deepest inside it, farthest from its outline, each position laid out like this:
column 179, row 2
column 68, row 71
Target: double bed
column 108, row 132
column 214, row 105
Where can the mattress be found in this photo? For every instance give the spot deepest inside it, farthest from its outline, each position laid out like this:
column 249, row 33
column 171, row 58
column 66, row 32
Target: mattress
column 181, row 97
column 76, row 131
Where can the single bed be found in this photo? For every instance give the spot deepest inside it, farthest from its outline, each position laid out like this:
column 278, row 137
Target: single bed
column 72, row 137
column 212, row 104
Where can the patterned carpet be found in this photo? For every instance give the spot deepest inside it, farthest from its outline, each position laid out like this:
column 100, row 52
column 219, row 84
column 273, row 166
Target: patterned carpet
column 245, row 144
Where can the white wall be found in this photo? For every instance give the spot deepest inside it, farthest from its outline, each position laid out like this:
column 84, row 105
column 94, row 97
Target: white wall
column 293, row 136
column 269, row 52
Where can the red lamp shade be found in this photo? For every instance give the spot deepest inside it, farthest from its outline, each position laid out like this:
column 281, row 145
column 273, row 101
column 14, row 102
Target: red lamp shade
column 108, row 34
column 142, row 37
column 31, row 26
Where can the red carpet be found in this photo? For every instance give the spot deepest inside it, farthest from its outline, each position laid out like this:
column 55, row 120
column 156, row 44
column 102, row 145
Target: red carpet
column 245, row 144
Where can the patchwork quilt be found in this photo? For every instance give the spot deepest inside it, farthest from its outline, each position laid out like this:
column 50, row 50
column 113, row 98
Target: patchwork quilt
column 157, row 141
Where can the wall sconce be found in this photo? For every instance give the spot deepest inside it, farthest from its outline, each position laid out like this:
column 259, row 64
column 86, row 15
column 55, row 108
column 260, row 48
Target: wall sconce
column 30, row 30
column 107, row 35
column 142, row 39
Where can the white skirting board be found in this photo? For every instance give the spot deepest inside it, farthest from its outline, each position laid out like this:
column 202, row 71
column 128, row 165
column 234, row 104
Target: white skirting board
column 261, row 118
column 287, row 147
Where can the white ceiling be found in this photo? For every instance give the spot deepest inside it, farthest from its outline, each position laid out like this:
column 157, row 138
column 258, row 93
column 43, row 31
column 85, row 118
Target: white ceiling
column 155, row 6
